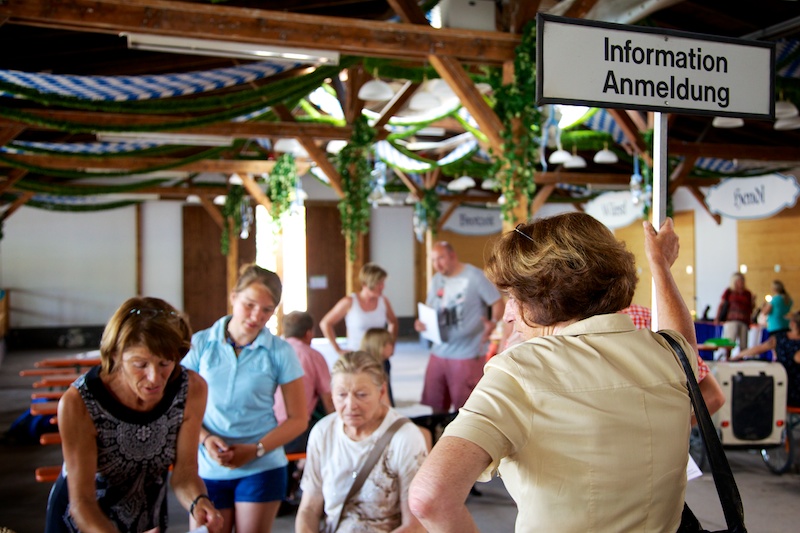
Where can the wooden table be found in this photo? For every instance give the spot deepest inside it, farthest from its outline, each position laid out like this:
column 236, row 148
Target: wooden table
column 78, row 362
column 44, row 408
column 713, row 348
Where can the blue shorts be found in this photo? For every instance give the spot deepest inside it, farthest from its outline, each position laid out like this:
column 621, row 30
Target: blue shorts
column 268, row 486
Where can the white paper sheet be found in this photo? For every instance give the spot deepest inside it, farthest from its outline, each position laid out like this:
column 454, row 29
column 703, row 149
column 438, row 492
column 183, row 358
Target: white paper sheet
column 429, row 317
column 692, row 470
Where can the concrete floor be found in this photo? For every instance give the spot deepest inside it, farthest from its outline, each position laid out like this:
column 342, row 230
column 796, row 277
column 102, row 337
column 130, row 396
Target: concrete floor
column 770, row 501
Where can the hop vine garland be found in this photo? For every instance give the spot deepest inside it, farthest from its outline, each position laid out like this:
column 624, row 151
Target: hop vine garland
column 353, row 166
column 428, row 209
column 280, row 186
column 515, row 103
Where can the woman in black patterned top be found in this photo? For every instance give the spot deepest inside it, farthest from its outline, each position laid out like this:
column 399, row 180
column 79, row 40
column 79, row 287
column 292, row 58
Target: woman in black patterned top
column 124, row 423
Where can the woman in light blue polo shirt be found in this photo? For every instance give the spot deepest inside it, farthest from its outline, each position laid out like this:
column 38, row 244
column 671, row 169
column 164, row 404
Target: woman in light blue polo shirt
column 241, row 455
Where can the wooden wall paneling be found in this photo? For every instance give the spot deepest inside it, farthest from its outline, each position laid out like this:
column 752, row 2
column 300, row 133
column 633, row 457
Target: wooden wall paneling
column 325, row 256
column 205, row 293
column 633, row 237
column 765, row 243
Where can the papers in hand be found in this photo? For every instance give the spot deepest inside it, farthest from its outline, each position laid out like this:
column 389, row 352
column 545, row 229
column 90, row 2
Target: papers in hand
column 692, row 470
column 429, row 317
column 201, row 529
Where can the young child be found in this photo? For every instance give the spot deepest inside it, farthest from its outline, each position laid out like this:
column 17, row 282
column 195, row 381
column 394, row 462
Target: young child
column 379, row 343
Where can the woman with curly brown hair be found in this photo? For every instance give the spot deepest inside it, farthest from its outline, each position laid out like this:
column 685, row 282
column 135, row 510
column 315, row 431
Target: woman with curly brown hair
column 587, row 421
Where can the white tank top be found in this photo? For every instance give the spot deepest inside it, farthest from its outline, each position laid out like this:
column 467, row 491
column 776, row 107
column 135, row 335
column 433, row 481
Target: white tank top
column 359, row 321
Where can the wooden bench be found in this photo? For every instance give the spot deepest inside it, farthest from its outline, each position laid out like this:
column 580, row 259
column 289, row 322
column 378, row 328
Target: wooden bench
column 42, row 372
column 47, row 439
column 48, row 474
column 78, row 363
column 59, row 380
column 44, row 408
column 48, row 395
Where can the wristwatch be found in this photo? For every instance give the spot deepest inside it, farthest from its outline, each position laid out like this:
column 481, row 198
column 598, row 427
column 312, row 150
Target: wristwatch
column 260, row 451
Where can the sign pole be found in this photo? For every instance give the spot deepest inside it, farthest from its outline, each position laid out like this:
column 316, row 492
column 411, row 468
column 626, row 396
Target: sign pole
column 659, row 200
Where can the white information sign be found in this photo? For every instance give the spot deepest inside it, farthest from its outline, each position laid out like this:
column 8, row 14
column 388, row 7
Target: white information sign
column 614, row 209
column 753, row 198
column 613, row 65
column 474, row 221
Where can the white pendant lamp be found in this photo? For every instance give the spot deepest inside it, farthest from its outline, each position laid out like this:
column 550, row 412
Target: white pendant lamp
column 335, row 146
column 461, row 184
column 423, row 101
column 375, row 90
column 727, row 122
column 559, row 156
column 575, row 161
column 792, row 123
column 785, row 109
column 605, row 156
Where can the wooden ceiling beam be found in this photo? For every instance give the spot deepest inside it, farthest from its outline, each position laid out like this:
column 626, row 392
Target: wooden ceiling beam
column 255, row 191
column 632, row 133
column 734, row 151
column 317, row 154
column 520, row 13
column 239, row 130
column 700, row 197
column 259, row 26
column 451, row 70
column 213, row 211
column 221, row 166
column 579, row 8
column 21, row 200
column 13, row 176
column 394, row 105
column 680, row 173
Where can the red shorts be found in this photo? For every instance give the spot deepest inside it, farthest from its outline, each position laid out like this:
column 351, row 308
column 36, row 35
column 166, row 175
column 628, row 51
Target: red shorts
column 449, row 382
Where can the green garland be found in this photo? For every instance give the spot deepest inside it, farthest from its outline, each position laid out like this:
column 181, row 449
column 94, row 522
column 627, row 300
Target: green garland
column 515, row 102
column 231, row 211
column 428, row 210
column 280, row 186
column 353, row 166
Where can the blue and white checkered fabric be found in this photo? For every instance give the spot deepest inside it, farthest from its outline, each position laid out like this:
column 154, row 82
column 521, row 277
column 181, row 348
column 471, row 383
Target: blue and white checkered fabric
column 782, row 50
column 24, row 147
column 602, row 120
column 128, row 88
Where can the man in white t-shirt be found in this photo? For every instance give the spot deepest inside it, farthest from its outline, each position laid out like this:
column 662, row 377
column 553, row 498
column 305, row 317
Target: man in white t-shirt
column 462, row 297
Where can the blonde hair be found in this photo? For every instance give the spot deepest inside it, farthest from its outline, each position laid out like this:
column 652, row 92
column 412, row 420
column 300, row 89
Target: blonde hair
column 148, row 322
column 374, row 340
column 371, row 274
column 360, row 362
column 734, row 277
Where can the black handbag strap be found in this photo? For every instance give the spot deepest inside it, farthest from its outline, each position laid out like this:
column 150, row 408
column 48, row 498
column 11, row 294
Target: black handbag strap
column 723, row 477
column 369, row 464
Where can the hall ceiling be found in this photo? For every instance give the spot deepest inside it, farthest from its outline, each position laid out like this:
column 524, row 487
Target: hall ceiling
column 82, row 37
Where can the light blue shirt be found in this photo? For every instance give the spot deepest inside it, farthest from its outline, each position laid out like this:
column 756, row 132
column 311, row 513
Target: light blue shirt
column 776, row 319
column 241, row 393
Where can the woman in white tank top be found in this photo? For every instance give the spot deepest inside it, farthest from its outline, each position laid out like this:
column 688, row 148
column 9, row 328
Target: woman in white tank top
column 361, row 310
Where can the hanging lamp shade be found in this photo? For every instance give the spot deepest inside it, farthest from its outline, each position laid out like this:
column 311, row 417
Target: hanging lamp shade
column 575, row 161
column 727, row 122
column 423, row 101
column 605, row 157
column 785, row 109
column 440, row 88
column 792, row 123
column 461, row 184
column 290, row 146
column 335, row 146
column 559, row 156
column 375, row 91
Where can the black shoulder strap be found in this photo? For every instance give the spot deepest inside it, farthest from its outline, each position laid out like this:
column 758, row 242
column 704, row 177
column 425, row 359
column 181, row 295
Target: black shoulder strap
column 369, row 464
column 723, row 477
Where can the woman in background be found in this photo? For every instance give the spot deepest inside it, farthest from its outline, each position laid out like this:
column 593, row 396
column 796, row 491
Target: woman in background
column 777, row 309
column 379, row 343
column 338, row 446
column 241, row 455
column 125, row 422
column 362, row 310
column 735, row 310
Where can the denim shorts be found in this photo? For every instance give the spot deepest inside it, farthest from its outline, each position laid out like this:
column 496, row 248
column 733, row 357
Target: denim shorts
column 268, row 486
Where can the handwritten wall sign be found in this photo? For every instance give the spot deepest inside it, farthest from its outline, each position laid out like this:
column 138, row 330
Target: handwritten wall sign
column 753, row 198
column 614, row 209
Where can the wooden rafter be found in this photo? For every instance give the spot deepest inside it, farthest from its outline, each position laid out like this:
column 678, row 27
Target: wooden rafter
column 520, row 13
column 213, row 211
column 317, row 154
column 451, row 70
column 255, row 191
column 681, row 172
column 239, row 130
column 632, row 133
column 13, row 176
column 9, row 132
column 541, row 197
column 454, row 203
column 222, row 166
column 580, row 8
column 21, row 200
column 701, row 199
column 204, row 21
column 395, row 104
column 408, row 182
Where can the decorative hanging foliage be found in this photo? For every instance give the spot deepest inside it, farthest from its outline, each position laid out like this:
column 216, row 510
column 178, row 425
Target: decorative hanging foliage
column 280, row 186
column 231, row 216
column 427, row 213
column 515, row 104
column 353, row 166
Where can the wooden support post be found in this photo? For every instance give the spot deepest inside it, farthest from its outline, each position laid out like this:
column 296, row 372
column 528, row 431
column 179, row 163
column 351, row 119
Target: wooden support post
column 233, row 259
column 353, row 267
